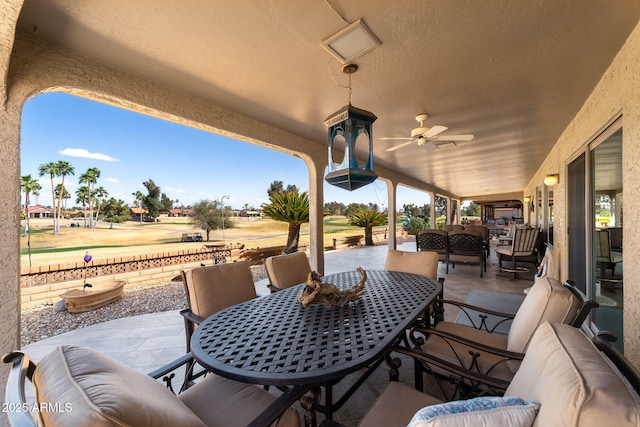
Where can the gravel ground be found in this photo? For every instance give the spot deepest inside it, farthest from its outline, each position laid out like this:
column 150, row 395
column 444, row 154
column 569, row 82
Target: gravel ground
column 43, row 321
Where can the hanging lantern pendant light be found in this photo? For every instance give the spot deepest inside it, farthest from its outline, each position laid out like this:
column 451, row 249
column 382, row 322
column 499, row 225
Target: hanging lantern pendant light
column 350, row 123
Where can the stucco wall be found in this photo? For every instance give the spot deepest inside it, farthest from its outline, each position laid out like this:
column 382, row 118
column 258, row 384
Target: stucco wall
column 617, row 93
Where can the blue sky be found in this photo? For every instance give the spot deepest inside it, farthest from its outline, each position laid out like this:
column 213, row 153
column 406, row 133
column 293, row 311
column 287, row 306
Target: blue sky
column 187, row 164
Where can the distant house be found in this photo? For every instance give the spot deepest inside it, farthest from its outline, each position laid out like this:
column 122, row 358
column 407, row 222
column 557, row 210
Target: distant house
column 137, row 213
column 180, row 212
column 38, row 211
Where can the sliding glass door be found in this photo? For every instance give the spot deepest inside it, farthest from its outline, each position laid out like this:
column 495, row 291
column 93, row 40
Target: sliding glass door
column 607, row 278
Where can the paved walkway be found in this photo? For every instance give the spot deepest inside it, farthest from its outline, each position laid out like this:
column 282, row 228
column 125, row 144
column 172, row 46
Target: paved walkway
column 149, row 341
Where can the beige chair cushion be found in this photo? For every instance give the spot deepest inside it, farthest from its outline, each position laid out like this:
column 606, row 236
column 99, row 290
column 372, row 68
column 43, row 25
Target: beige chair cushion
column 547, row 301
column 424, row 263
column 396, row 405
column 100, row 391
column 455, row 352
column 225, row 403
column 572, row 381
column 287, row 270
column 216, row 287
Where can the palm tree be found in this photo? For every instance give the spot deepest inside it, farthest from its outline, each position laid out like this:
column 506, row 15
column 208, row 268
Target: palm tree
column 138, row 198
column 28, row 185
column 65, row 195
column 82, row 196
column 52, row 170
column 64, row 169
column 90, row 177
column 291, row 207
column 367, row 218
column 101, row 193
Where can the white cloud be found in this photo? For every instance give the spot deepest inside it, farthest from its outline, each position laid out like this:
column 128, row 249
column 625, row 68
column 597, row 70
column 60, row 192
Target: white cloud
column 175, row 190
column 81, row 152
column 113, row 180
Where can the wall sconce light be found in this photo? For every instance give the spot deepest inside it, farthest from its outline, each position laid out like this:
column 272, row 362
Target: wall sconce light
column 348, row 124
column 529, row 201
column 551, row 180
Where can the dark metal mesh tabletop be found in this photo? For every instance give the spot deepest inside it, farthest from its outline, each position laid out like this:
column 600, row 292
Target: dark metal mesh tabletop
column 275, row 340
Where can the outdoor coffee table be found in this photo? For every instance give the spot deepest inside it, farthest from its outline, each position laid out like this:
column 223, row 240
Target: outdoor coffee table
column 274, row 340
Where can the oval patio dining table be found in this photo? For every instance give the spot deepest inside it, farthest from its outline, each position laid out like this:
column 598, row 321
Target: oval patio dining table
column 274, row 340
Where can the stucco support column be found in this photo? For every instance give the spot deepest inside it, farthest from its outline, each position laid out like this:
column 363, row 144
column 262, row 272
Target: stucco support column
column 9, row 232
column 391, row 197
column 432, row 210
column 316, row 165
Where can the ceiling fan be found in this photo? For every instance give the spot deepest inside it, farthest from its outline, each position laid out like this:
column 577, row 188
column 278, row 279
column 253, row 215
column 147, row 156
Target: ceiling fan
column 430, row 137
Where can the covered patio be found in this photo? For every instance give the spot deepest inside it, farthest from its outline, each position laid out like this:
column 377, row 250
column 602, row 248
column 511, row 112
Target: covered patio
column 538, row 84
column 148, row 341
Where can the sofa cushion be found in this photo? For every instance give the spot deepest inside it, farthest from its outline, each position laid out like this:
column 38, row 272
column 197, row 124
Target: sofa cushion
column 396, row 405
column 573, row 382
column 100, row 391
column 547, row 301
column 236, row 403
column 478, row 412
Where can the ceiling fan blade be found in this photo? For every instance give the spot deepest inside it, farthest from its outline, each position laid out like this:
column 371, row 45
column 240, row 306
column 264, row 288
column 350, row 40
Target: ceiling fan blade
column 430, row 146
column 395, row 147
column 467, row 137
column 390, row 138
column 434, row 131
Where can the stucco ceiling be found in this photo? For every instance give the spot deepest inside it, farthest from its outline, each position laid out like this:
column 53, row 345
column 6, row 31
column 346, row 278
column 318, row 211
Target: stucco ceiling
column 513, row 73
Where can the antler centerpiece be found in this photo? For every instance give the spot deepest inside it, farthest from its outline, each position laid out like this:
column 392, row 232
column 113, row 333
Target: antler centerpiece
column 316, row 292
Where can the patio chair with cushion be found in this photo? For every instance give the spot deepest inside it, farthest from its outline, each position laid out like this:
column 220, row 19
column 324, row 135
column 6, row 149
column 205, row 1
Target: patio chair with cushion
column 486, row 238
column 212, row 288
column 287, row 270
column 564, row 381
column 466, row 247
column 78, row 386
column 523, row 248
column 433, row 241
column 424, row 263
column 492, row 355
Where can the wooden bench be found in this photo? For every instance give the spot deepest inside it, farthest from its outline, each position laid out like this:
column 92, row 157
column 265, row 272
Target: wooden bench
column 348, row 241
column 258, row 255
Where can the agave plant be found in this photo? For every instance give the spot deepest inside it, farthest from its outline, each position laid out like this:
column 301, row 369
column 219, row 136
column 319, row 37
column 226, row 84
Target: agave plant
column 367, row 218
column 291, row 207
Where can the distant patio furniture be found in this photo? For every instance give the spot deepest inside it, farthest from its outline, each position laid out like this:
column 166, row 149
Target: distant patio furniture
column 606, row 257
column 453, row 227
column 486, row 238
column 434, row 241
column 523, row 248
column 287, row 270
column 466, row 247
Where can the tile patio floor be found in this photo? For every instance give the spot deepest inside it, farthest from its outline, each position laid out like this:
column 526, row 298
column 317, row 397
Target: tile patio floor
column 149, row 341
